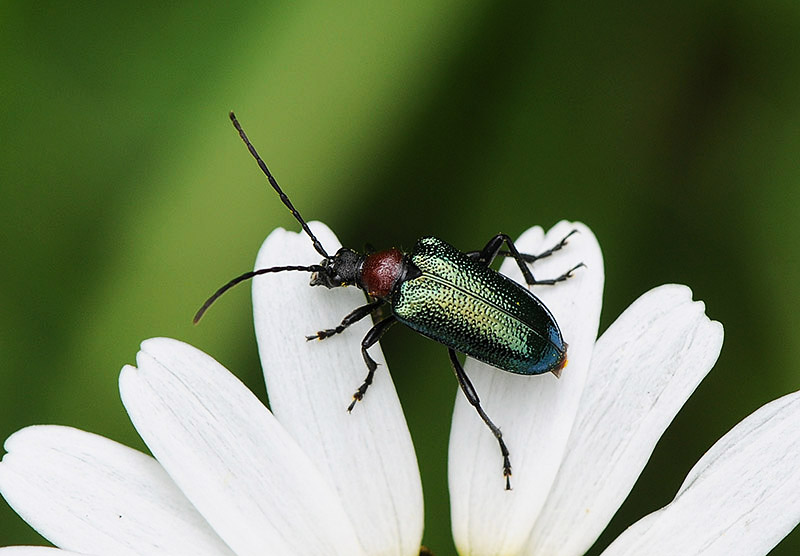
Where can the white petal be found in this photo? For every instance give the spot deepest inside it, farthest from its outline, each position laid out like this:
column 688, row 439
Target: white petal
column 230, row 457
column 535, row 413
column 90, row 494
column 38, row 551
column 367, row 455
column 740, row 499
column 644, row 367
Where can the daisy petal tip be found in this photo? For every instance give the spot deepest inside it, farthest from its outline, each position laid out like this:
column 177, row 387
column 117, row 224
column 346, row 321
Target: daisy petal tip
column 577, row 228
column 321, row 230
column 126, row 376
column 27, row 436
column 675, row 295
column 718, row 329
column 160, row 344
column 10, row 443
column 281, row 239
column 534, row 233
column 581, row 239
column 276, row 237
column 144, row 358
column 9, row 446
column 678, row 291
column 568, row 225
column 683, row 295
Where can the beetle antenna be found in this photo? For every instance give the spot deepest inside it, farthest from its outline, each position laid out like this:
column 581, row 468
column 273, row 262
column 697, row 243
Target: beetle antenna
column 261, row 164
column 247, row 276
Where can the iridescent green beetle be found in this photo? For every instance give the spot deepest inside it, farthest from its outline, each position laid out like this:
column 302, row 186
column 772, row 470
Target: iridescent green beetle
column 445, row 294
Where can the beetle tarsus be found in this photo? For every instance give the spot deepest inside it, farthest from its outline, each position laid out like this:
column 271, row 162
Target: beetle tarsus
column 370, row 340
column 556, row 247
column 506, row 463
column 472, row 397
column 351, row 318
column 359, row 394
column 322, row 334
column 356, row 398
column 565, row 276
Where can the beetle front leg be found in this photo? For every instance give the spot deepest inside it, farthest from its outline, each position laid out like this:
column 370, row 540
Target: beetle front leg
column 369, row 340
column 472, row 397
column 351, row 318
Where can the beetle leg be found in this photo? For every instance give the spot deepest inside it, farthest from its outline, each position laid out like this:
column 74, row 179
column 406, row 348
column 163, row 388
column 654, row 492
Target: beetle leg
column 472, row 397
column 488, row 254
column 551, row 281
column 492, row 250
column 351, row 318
column 369, row 340
column 533, row 258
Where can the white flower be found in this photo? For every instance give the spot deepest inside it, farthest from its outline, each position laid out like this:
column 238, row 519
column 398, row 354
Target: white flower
column 229, row 478
column 579, row 443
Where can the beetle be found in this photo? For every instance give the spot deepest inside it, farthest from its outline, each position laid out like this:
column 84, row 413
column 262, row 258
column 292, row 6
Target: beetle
column 450, row 296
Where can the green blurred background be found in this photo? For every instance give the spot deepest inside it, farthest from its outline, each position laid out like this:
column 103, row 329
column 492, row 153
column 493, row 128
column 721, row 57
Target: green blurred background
column 127, row 198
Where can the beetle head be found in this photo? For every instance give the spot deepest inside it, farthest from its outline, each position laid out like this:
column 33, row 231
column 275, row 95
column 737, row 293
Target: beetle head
column 340, row 270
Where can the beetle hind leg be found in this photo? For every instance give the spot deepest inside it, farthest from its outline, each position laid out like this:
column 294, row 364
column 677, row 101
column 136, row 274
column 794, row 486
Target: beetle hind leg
column 492, row 250
column 472, row 397
column 533, row 258
column 551, row 281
